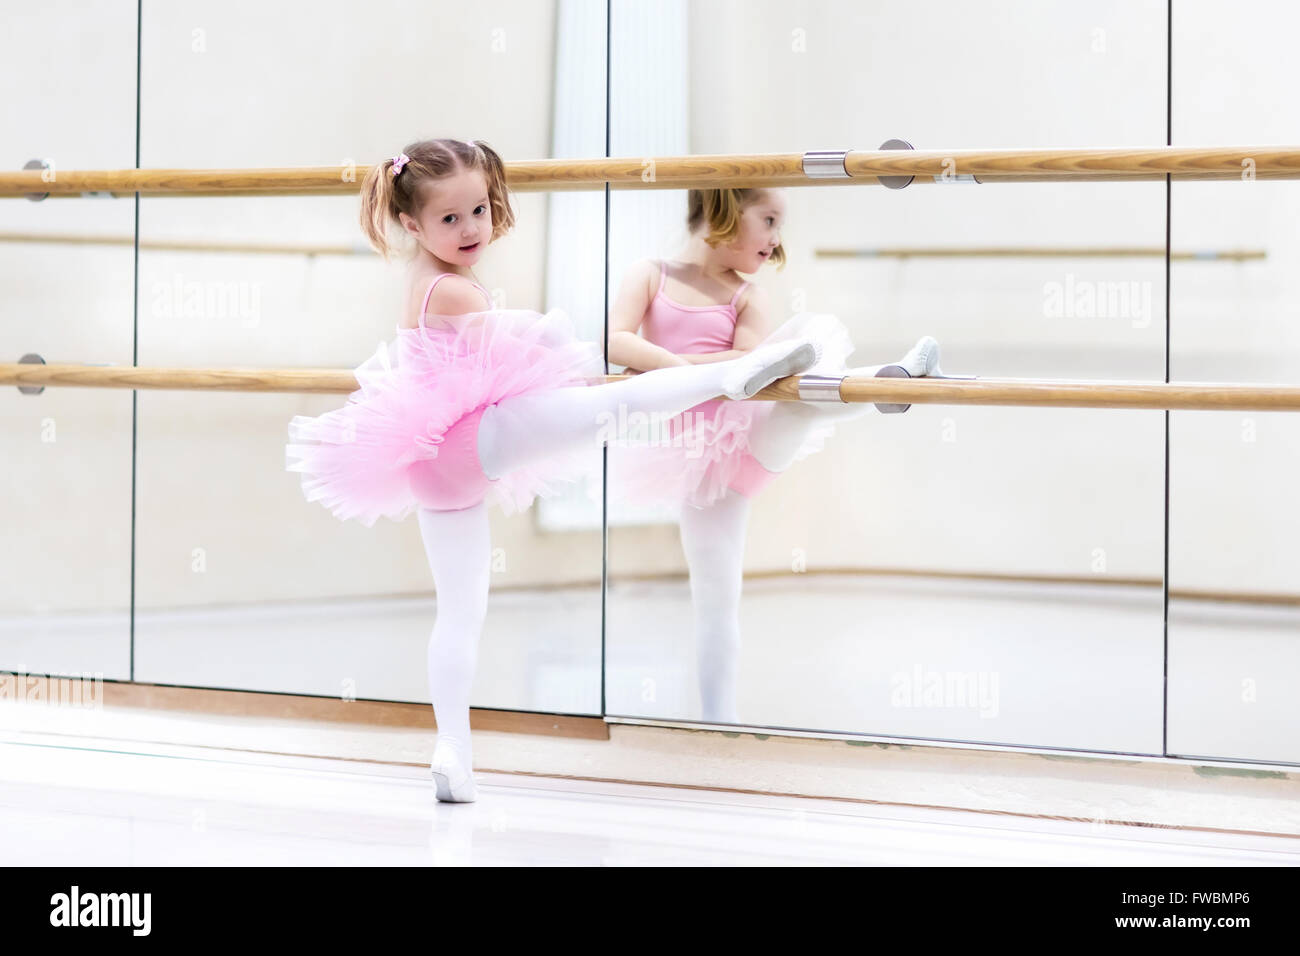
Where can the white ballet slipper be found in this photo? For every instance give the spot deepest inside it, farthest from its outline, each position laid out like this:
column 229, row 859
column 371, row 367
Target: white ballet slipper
column 767, row 363
column 921, row 360
column 453, row 781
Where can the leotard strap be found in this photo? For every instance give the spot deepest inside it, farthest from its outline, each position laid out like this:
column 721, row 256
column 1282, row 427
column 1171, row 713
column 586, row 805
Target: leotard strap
column 732, row 303
column 664, row 275
column 424, row 306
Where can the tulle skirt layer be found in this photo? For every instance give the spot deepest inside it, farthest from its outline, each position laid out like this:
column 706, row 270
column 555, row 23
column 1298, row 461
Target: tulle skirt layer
column 393, row 446
column 695, row 457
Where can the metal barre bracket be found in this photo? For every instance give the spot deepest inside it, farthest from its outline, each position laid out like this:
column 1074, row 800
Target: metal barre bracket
column 825, row 164
column 44, row 164
column 820, row 388
column 826, row 388
column 37, row 164
column 898, row 182
column 31, row 358
column 895, row 182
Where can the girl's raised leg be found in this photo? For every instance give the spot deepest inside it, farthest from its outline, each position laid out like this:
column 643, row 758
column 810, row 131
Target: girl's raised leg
column 526, row 428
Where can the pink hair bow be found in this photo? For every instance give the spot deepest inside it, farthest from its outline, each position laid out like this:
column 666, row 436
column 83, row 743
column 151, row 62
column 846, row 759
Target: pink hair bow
column 399, row 162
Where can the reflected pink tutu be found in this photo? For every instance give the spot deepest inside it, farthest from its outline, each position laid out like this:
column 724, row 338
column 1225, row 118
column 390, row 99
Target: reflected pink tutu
column 694, row 458
column 407, row 437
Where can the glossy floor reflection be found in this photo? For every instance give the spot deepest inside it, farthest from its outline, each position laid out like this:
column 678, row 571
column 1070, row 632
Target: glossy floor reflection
column 1067, row 666
column 69, row 805
column 1055, row 665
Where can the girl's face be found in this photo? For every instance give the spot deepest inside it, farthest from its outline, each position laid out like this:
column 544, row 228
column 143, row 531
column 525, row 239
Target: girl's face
column 760, row 231
column 455, row 223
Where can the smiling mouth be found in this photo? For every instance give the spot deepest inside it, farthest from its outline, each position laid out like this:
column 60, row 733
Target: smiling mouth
column 472, row 246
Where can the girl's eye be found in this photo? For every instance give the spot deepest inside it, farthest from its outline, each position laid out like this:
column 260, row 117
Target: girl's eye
column 449, row 217
column 477, row 208
column 770, row 220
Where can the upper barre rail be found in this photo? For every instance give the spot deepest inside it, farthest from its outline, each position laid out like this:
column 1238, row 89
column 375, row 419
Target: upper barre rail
column 1192, row 396
column 1034, row 252
column 812, row 168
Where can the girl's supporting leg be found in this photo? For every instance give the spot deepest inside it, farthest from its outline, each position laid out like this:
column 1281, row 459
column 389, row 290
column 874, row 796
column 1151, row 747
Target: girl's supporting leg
column 458, row 544
column 713, row 539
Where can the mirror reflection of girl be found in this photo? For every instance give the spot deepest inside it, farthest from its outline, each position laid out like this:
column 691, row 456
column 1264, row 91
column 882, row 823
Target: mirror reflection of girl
column 694, row 310
column 470, row 403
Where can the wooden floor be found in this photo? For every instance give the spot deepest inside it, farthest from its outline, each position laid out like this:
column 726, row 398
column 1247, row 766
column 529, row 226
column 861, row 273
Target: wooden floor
column 79, row 805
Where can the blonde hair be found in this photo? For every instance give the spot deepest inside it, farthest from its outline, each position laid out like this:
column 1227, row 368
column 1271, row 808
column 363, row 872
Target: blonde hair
column 719, row 210
column 385, row 196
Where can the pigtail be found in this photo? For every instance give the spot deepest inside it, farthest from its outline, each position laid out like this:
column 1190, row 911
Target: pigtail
column 494, row 171
column 377, row 206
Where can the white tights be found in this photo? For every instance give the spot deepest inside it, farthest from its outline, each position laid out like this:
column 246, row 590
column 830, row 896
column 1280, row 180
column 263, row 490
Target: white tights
column 458, row 544
column 521, row 430
column 517, row 432
column 713, row 539
column 526, row 428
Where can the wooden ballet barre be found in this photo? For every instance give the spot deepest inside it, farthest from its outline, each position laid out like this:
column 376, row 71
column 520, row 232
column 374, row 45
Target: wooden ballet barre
column 1029, row 252
column 897, row 252
column 929, row 390
column 938, row 390
column 190, row 245
column 886, row 252
column 813, row 168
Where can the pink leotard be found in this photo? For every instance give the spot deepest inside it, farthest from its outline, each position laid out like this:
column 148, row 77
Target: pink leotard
column 694, row 329
column 455, row 479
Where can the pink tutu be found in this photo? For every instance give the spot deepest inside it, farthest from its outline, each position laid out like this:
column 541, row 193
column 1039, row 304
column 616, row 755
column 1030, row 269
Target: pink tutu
column 407, row 437
column 695, row 457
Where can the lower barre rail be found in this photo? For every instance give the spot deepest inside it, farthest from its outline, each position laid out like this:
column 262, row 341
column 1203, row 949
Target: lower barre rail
column 31, row 377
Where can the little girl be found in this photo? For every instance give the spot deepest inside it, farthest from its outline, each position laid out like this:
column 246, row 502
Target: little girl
column 719, row 454
column 470, row 403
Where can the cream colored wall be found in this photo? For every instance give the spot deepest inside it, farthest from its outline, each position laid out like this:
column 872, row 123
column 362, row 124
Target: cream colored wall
column 218, row 518
column 66, row 478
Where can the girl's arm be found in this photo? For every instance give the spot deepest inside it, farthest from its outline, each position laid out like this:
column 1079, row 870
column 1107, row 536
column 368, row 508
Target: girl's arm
column 754, row 320
column 625, row 346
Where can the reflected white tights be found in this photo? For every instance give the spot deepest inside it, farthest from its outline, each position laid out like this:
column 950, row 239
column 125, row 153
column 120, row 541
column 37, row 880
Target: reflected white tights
column 775, row 440
column 713, row 540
